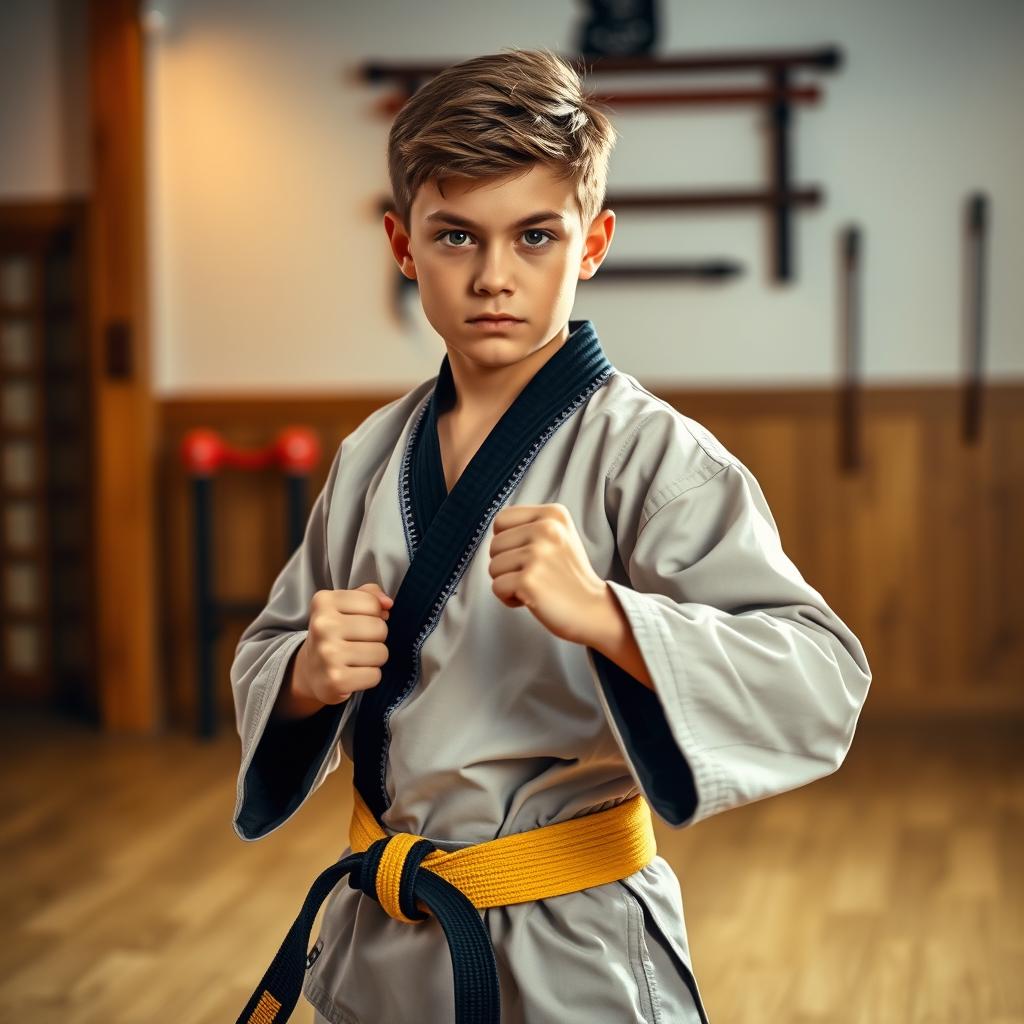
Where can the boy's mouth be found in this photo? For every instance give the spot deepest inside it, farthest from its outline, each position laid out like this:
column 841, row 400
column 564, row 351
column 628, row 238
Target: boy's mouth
column 485, row 323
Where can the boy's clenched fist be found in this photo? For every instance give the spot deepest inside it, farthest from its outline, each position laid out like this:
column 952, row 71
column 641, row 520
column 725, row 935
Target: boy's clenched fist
column 342, row 652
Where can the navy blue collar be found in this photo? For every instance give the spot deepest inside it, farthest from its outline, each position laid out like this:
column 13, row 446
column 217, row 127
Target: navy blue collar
column 443, row 530
column 574, row 365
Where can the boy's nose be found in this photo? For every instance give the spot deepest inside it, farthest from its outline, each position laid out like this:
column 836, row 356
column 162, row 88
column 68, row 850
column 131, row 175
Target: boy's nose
column 494, row 273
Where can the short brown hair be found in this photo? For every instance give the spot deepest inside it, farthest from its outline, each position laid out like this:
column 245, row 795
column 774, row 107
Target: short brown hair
column 495, row 115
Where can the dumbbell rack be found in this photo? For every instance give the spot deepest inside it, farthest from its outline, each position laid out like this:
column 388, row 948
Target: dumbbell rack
column 295, row 451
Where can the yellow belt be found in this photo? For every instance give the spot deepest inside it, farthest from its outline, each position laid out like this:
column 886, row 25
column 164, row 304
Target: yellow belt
column 555, row 859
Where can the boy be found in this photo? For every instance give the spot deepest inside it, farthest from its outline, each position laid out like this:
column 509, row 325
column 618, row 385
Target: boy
column 533, row 602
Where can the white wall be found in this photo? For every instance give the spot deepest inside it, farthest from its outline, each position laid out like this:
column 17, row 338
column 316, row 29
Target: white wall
column 270, row 267
column 43, row 100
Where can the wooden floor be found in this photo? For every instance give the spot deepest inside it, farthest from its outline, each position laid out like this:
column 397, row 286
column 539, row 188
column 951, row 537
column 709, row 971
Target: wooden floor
column 892, row 891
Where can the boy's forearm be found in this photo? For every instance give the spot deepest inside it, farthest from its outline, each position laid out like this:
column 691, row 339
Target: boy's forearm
column 610, row 633
column 291, row 705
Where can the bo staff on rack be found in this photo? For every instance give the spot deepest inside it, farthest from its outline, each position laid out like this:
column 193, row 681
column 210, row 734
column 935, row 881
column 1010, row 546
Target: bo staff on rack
column 977, row 231
column 778, row 98
column 391, row 105
column 715, row 269
column 703, row 270
column 849, row 434
column 825, row 58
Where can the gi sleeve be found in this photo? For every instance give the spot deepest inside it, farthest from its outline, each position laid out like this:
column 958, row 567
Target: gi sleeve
column 284, row 761
column 757, row 683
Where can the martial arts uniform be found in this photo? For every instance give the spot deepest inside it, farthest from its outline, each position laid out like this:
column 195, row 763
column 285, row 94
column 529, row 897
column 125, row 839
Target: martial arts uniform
column 485, row 724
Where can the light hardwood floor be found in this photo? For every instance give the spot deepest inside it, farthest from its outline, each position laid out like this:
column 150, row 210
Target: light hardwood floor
column 888, row 893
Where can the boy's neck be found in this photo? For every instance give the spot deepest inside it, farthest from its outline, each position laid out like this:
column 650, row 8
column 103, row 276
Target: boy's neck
column 484, row 394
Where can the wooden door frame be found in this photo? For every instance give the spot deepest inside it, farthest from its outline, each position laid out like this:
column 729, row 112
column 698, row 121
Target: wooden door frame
column 127, row 643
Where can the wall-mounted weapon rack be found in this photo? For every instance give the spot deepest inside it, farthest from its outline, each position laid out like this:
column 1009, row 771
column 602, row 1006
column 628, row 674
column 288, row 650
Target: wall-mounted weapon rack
column 779, row 197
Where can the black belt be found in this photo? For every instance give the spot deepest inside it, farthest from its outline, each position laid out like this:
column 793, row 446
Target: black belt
column 477, row 997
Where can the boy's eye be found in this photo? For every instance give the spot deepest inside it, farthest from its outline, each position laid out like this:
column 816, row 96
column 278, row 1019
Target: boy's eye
column 445, row 234
column 537, row 231
column 540, row 244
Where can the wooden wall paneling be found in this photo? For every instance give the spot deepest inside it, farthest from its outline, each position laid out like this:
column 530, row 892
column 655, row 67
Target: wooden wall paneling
column 887, row 539
column 942, row 578
column 1008, row 542
column 981, row 552
column 826, row 492
column 848, row 545
column 919, row 552
column 891, row 572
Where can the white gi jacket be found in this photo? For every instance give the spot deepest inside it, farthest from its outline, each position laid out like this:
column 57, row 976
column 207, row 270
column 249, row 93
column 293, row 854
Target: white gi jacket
column 493, row 725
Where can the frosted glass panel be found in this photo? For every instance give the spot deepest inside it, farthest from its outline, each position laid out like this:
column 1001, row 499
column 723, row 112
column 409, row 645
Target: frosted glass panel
column 20, row 464
column 16, row 280
column 21, row 587
column 20, row 525
column 16, row 343
column 24, row 648
column 18, row 405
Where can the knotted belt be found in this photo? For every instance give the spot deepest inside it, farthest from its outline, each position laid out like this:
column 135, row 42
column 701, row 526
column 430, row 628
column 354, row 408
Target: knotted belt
column 410, row 878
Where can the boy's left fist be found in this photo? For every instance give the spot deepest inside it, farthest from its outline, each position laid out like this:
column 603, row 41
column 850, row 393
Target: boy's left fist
column 538, row 560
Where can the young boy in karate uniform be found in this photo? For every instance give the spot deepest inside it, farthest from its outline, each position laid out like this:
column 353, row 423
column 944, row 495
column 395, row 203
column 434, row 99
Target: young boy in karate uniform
column 534, row 605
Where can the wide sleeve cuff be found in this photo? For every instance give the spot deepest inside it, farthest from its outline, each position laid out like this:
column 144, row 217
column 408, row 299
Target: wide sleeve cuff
column 284, row 760
column 650, row 726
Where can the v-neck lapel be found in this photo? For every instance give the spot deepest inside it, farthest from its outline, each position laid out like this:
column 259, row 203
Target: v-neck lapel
column 444, row 529
column 430, row 489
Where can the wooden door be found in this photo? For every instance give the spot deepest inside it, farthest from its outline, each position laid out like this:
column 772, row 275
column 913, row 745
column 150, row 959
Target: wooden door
column 47, row 640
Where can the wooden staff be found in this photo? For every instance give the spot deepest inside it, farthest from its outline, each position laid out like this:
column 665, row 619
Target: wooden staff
column 977, row 236
column 823, row 57
column 805, row 94
column 849, row 434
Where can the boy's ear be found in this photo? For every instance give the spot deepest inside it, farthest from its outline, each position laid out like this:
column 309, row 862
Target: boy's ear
column 596, row 242
column 398, row 236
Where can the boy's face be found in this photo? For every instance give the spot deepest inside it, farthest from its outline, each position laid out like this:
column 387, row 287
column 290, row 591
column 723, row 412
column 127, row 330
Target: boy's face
column 471, row 255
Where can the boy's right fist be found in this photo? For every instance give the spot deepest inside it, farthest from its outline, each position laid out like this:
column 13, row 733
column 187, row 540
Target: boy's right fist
column 344, row 646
